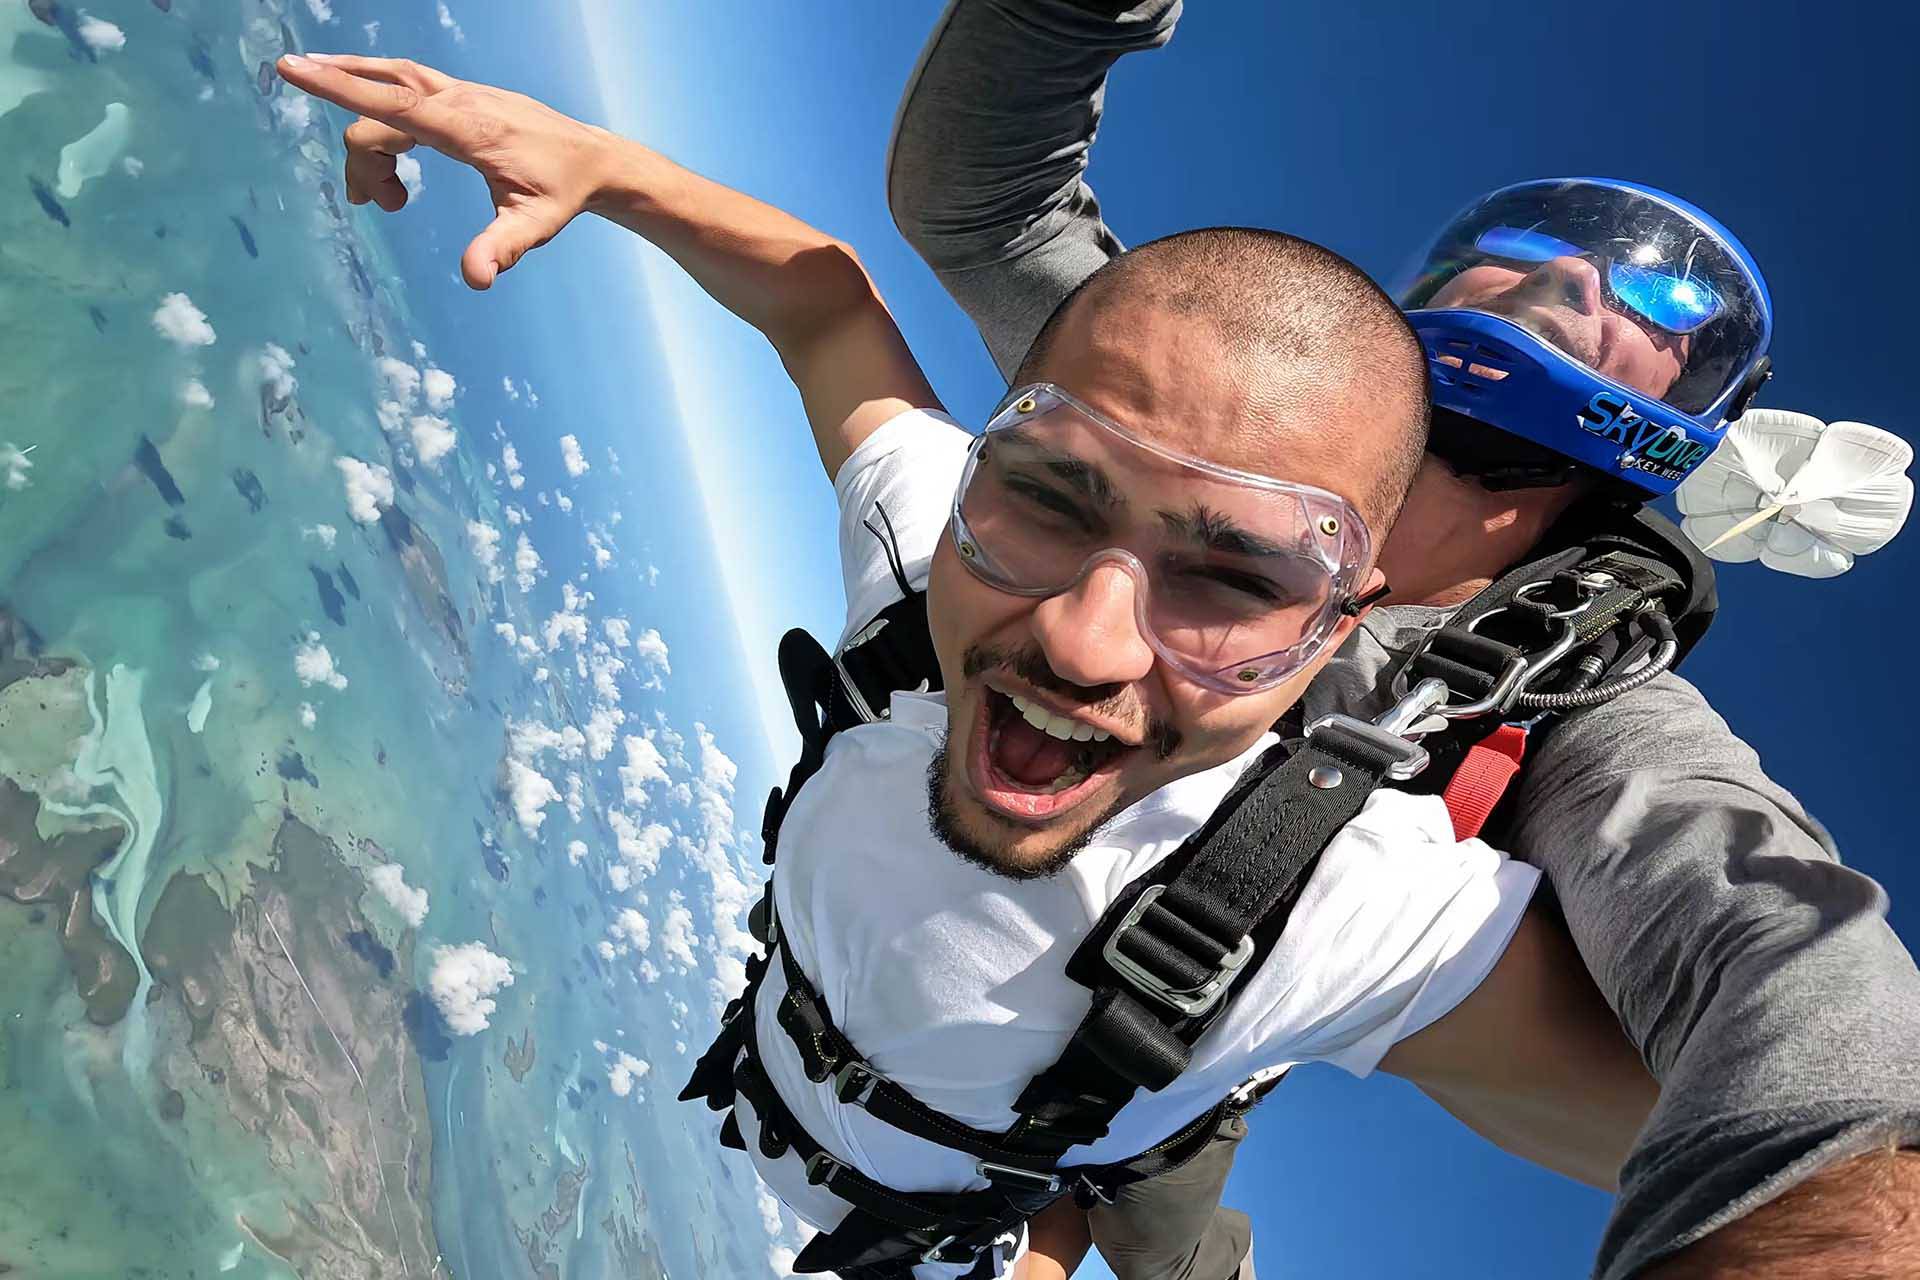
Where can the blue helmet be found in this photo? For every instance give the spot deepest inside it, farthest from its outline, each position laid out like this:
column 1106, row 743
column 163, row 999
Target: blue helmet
column 1609, row 323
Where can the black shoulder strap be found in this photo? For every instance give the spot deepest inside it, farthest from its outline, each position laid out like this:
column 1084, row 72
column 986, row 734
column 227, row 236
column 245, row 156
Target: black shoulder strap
column 1163, row 960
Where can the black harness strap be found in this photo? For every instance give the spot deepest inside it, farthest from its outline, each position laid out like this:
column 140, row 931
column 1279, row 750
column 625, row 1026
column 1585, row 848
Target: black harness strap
column 1164, row 957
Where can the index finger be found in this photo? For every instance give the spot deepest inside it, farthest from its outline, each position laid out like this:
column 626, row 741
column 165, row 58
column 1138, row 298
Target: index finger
column 398, row 105
column 415, row 75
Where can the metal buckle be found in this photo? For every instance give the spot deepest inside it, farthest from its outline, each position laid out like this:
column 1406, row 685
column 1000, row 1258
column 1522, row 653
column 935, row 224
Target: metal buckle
column 1093, row 1190
column 1032, row 1179
column 855, row 1082
column 1521, row 671
column 818, row 1161
column 1191, row 1001
column 1411, row 756
column 933, row 1255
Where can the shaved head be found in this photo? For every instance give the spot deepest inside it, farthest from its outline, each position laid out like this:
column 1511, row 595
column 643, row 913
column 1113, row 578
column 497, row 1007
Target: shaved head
column 1289, row 341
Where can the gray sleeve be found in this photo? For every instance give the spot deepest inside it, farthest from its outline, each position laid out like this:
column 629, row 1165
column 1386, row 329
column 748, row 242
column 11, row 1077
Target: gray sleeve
column 992, row 137
column 1758, row 976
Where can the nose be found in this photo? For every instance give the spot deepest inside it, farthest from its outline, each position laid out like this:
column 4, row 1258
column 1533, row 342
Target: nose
column 1089, row 633
column 1571, row 282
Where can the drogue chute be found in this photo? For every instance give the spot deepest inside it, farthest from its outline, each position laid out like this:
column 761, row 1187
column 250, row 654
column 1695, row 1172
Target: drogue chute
column 1797, row 494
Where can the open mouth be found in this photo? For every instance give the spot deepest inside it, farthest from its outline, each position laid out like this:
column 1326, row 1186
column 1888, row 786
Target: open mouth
column 1032, row 765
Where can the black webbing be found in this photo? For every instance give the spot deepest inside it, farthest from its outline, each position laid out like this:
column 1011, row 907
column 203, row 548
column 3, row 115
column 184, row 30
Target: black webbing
column 1235, row 879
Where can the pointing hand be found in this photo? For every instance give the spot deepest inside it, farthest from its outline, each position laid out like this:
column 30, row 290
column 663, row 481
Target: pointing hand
column 541, row 167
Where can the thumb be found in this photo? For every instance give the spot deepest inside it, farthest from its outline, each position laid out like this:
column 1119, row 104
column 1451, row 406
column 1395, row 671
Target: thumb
column 507, row 239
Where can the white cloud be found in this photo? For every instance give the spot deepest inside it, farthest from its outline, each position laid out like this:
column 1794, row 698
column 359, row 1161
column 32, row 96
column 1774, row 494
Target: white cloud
column 406, row 167
column 533, row 397
column 276, row 371
column 321, row 10
column 526, row 564
column 565, row 626
column 463, row 980
column 543, row 498
column 100, row 35
column 400, row 380
column 618, row 631
column 576, row 850
column 602, row 555
column 527, row 739
column 529, row 792
column 640, row 847
column 676, row 935
column 562, row 501
column 438, row 386
column 484, row 541
column 576, row 796
column 630, row 928
column 506, row 385
column 194, row 394
column 133, row 165
column 308, row 716
column 517, row 515
column 391, row 882
column 206, row 662
column 14, row 465
column 314, row 665
column 372, row 30
column 446, row 20
column 644, row 765
column 419, row 351
column 570, row 456
column 294, row 111
column 369, row 487
column 647, row 972
column 433, row 438
column 510, row 463
column 324, row 534
column 769, row 1208
column 624, row 1072
column 181, row 323
column 653, row 574
column 603, row 725
column 651, row 652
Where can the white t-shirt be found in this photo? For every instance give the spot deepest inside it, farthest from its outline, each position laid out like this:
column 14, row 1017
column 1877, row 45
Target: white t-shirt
column 951, row 980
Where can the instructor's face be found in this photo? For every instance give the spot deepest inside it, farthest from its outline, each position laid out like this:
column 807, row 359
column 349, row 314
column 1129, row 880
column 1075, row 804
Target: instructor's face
column 1080, row 654
column 1563, row 302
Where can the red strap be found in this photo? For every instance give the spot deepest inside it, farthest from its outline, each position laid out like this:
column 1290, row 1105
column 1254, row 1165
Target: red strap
column 1483, row 777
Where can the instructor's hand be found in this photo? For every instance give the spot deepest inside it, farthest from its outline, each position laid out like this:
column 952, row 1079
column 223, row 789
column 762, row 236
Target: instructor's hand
column 541, row 167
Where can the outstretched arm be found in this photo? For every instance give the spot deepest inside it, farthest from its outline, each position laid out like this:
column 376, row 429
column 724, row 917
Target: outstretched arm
column 805, row 290
column 992, row 137
column 1534, row 1061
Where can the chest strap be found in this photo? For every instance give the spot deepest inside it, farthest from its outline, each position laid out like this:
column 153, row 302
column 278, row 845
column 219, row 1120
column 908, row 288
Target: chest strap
column 1163, row 960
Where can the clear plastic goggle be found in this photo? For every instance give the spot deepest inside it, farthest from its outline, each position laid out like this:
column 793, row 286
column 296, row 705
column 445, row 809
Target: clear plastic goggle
column 1238, row 579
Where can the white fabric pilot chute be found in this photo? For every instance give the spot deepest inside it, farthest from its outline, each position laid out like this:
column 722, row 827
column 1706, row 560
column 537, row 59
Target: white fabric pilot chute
column 1797, row 494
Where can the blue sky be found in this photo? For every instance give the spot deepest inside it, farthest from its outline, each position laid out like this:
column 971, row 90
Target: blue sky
column 1364, row 128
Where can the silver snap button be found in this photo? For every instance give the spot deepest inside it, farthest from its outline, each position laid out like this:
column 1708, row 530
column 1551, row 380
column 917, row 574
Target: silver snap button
column 1325, row 777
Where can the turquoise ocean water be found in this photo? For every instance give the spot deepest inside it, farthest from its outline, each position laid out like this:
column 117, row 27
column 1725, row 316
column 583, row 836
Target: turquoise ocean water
column 254, row 700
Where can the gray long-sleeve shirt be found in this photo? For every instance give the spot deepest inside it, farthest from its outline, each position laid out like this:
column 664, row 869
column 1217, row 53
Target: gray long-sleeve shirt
column 1758, row 976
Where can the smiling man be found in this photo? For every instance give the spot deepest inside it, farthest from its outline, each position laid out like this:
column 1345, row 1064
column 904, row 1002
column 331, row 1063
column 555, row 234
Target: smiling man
column 1168, row 528
column 1083, row 677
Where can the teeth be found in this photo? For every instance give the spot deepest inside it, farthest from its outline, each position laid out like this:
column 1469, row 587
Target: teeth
column 1061, row 727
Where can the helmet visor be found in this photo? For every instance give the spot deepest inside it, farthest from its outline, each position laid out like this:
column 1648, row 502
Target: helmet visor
column 1636, row 289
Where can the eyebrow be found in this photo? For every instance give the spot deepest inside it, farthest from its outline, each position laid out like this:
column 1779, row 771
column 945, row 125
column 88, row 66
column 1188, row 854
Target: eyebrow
column 1084, row 476
column 1216, row 532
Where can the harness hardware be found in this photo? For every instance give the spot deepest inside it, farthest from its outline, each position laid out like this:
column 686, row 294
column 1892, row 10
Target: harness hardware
column 1191, row 1001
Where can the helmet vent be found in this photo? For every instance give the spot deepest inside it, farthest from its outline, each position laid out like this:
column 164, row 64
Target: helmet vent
column 1471, row 366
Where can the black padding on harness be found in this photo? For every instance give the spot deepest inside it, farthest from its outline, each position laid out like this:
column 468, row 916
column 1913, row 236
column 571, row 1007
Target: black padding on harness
column 1222, row 900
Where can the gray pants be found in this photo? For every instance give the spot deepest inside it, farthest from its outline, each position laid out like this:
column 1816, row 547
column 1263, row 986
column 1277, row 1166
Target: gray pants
column 1174, row 1226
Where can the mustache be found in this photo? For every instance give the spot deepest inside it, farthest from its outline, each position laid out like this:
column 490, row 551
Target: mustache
column 1108, row 701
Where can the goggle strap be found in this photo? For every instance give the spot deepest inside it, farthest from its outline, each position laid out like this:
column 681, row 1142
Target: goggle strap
column 1353, row 606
